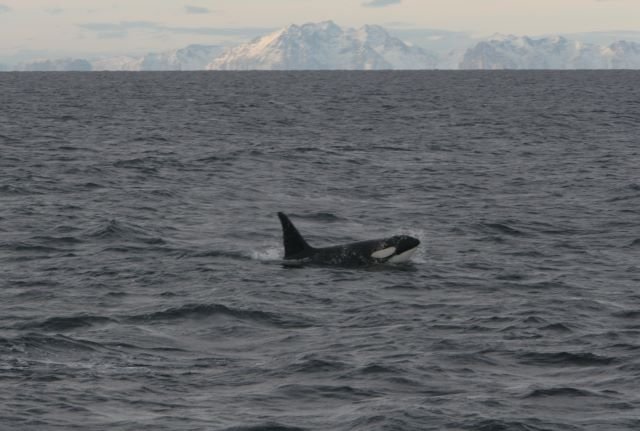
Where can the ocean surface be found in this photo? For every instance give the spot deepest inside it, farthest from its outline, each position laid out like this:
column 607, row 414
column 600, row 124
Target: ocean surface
column 141, row 280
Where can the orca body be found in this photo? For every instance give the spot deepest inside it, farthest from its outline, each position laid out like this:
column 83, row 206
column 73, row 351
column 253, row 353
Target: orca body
column 396, row 249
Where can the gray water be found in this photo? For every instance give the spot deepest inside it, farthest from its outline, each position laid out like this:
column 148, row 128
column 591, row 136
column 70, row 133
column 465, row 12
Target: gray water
column 142, row 286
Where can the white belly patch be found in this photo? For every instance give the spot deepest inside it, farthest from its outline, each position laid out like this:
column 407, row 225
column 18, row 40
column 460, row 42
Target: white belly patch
column 404, row 256
column 384, row 253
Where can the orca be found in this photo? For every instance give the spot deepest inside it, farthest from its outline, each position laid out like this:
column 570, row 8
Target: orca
column 396, row 249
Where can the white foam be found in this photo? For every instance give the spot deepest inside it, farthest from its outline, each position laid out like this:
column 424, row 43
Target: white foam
column 268, row 255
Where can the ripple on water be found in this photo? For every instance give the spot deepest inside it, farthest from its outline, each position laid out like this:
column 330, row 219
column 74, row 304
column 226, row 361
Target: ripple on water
column 140, row 251
column 565, row 359
column 561, row 392
column 201, row 311
column 117, row 230
column 53, row 324
column 267, row 426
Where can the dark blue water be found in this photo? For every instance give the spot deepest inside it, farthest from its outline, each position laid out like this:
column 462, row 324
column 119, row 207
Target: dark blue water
column 141, row 286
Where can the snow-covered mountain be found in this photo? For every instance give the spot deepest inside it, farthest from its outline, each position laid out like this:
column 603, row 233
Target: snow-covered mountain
column 603, row 37
column 624, row 55
column 513, row 52
column 325, row 45
column 120, row 63
column 61, row 65
column 322, row 46
column 193, row 57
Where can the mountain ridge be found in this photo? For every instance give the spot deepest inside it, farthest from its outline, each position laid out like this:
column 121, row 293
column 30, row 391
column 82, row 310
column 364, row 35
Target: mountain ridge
column 327, row 46
column 555, row 53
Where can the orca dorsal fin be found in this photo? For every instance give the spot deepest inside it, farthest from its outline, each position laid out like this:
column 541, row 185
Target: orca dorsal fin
column 294, row 243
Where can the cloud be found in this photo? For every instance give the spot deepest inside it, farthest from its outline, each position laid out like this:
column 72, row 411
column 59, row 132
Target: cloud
column 125, row 26
column 111, row 30
column 4, row 8
column 196, row 9
column 396, row 24
column 380, row 3
column 55, row 11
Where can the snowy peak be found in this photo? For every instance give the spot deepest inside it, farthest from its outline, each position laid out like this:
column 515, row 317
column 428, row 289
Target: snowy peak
column 396, row 52
column 324, row 45
column 324, row 27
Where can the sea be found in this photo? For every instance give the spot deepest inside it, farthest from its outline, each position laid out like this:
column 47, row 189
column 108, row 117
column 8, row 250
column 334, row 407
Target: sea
column 142, row 281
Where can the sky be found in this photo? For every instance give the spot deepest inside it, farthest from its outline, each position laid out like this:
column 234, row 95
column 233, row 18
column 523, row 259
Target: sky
column 109, row 27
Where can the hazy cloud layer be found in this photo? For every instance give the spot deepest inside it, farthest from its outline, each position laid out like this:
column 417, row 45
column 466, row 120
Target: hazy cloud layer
column 196, row 9
column 4, row 8
column 122, row 29
column 55, row 11
column 380, row 3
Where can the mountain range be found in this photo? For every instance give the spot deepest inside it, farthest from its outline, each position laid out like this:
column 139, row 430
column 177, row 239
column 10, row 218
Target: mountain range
column 512, row 52
column 193, row 57
column 327, row 46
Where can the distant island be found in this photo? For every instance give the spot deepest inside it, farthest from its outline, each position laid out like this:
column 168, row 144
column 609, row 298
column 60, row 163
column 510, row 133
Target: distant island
column 327, row 46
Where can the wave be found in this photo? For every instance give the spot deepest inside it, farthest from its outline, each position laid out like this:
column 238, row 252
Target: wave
column 114, row 229
column 33, row 342
column 548, row 284
column 91, row 186
column 150, row 138
column 628, row 192
column 634, row 187
column 379, row 421
column 269, row 426
column 512, row 425
column 22, row 246
column 558, row 327
column 57, row 240
column 513, row 276
column 140, row 163
column 560, row 392
column 198, row 311
column 12, row 190
column 319, row 216
column 186, row 253
column 42, row 244
column 627, row 314
column 67, row 323
column 310, row 364
column 502, row 228
column 567, row 359
column 345, row 392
